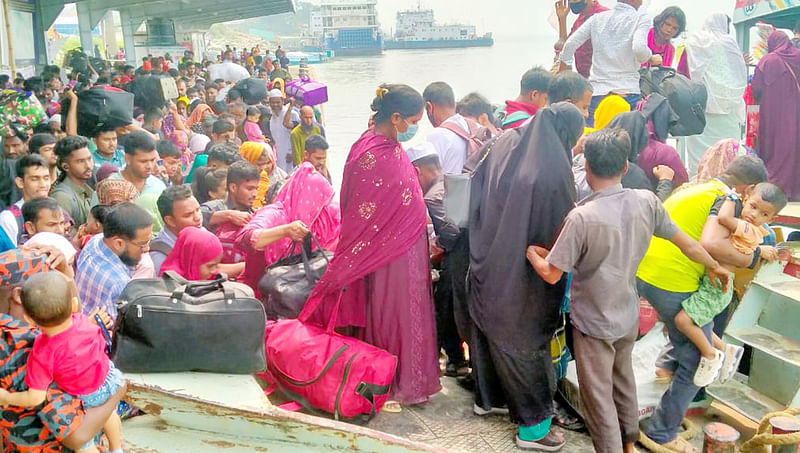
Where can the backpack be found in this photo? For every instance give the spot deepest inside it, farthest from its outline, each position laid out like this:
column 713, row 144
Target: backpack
column 686, row 97
column 475, row 138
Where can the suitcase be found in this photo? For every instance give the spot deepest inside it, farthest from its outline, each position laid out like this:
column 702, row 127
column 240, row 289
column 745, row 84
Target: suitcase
column 152, row 92
column 167, row 326
column 307, row 91
column 253, row 90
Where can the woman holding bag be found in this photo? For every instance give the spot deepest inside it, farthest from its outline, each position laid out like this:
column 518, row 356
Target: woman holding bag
column 382, row 257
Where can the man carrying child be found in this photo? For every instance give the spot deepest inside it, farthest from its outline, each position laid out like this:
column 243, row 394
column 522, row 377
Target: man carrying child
column 602, row 242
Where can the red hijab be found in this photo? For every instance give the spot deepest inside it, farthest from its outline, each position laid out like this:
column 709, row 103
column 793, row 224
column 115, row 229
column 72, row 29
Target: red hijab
column 193, row 248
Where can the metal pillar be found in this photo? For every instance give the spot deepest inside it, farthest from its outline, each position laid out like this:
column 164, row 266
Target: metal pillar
column 85, row 27
column 129, row 27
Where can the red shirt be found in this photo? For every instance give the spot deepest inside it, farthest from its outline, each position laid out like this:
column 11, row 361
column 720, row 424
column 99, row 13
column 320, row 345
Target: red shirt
column 510, row 122
column 583, row 56
column 75, row 359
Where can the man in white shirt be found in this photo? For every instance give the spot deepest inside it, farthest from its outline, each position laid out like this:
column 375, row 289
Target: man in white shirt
column 440, row 105
column 619, row 39
column 284, row 119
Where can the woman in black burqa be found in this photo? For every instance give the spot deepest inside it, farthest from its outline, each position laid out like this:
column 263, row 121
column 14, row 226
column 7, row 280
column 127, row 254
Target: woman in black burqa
column 520, row 195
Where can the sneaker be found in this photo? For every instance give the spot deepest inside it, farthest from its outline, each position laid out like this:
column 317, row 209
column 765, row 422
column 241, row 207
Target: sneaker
column 708, row 369
column 477, row 410
column 733, row 355
column 551, row 442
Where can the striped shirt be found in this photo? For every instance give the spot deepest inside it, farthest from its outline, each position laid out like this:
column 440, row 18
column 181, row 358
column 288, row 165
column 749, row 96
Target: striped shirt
column 100, row 277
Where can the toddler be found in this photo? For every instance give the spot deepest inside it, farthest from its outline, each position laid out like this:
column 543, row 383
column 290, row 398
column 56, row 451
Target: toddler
column 252, row 129
column 69, row 351
column 743, row 222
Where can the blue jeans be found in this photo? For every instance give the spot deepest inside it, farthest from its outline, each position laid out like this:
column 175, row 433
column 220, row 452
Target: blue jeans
column 666, row 420
column 632, row 99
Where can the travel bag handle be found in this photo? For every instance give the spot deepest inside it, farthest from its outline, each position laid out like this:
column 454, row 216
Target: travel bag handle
column 305, row 253
column 200, row 289
column 311, row 307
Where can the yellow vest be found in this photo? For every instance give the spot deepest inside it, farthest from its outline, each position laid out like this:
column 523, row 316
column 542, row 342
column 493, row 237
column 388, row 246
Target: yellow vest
column 664, row 265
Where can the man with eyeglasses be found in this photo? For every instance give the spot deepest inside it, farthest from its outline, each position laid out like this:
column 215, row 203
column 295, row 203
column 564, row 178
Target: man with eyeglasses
column 106, row 262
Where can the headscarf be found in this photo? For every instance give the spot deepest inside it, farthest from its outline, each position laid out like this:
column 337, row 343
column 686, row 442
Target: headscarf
column 193, row 248
column 308, row 197
column 105, row 171
column 635, row 124
column 717, row 158
column 198, row 143
column 180, row 139
column 520, row 196
column 781, row 53
column 608, row 109
column 198, row 113
column 714, row 58
column 251, row 151
column 111, row 192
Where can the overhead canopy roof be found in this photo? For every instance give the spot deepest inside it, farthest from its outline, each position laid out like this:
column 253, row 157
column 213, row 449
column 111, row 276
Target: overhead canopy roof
column 779, row 13
column 195, row 13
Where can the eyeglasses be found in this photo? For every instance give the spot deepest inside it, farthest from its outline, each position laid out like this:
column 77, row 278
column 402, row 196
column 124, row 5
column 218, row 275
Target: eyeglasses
column 143, row 247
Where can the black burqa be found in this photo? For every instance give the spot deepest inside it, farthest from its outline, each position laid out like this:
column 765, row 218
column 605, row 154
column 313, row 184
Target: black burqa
column 520, row 196
column 635, row 124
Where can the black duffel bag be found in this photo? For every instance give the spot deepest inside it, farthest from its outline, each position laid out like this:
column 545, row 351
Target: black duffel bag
column 687, row 98
column 101, row 107
column 287, row 283
column 254, row 90
column 166, row 326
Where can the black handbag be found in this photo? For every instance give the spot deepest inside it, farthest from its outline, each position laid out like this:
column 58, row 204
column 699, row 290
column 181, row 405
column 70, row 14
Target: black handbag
column 287, row 283
column 170, row 325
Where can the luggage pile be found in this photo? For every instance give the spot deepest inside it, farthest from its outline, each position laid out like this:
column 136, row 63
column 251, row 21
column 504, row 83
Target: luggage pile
column 100, row 107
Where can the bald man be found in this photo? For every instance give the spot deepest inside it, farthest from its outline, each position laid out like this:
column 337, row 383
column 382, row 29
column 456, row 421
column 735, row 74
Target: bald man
column 305, row 129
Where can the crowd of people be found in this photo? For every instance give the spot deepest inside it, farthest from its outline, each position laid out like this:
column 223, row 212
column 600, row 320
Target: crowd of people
column 577, row 206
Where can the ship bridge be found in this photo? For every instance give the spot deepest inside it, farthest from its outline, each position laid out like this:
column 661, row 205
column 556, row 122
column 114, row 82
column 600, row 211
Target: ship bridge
column 23, row 40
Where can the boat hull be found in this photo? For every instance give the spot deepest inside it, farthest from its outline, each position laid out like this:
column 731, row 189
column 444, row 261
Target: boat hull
column 439, row 44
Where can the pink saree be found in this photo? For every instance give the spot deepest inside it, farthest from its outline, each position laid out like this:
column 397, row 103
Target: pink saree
column 382, row 263
column 308, row 197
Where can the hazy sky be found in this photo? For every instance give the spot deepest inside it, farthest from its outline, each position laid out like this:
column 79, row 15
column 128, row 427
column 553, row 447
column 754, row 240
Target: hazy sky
column 530, row 17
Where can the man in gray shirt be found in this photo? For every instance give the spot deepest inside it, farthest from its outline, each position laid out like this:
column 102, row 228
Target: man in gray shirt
column 602, row 242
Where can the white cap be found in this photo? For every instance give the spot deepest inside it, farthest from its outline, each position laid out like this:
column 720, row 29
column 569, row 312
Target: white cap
column 56, row 240
column 56, row 118
column 275, row 93
column 421, row 150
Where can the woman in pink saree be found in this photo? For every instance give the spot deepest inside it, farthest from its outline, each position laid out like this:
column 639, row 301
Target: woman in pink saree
column 381, row 261
column 305, row 203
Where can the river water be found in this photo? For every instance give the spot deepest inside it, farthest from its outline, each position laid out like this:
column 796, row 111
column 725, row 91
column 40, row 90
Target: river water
column 492, row 71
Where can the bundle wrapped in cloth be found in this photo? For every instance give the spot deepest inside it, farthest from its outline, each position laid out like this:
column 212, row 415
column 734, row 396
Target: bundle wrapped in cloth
column 19, row 112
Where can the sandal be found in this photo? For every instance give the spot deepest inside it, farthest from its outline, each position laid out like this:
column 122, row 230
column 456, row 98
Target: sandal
column 564, row 419
column 392, row 407
column 680, row 445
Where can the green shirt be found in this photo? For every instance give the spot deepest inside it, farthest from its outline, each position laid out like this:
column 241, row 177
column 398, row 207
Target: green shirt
column 298, row 138
column 76, row 200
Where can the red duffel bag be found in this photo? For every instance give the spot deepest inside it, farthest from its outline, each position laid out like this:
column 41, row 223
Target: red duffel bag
column 324, row 370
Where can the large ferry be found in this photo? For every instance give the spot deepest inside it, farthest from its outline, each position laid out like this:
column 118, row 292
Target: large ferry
column 417, row 29
column 348, row 27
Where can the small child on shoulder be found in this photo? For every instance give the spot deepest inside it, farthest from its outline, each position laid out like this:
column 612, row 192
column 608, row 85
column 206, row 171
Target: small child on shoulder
column 70, row 351
column 743, row 222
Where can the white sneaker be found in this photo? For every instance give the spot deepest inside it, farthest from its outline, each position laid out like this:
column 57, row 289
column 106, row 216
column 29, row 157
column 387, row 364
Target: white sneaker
column 733, row 355
column 708, row 369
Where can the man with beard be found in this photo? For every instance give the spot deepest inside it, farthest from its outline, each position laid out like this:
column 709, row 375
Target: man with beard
column 106, row 262
column 72, row 192
column 305, row 129
column 284, row 119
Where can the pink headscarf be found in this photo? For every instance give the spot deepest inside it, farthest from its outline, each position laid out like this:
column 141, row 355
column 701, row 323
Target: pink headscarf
column 193, row 248
column 307, row 196
column 180, row 139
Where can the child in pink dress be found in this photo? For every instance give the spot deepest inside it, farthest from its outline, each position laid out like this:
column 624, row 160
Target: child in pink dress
column 70, row 352
column 252, row 130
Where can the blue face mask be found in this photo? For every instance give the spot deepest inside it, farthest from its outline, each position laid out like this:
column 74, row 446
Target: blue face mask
column 578, row 7
column 408, row 134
